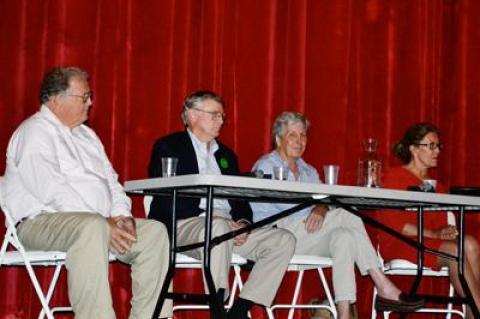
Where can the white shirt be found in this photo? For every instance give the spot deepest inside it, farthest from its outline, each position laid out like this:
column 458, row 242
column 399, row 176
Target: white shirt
column 52, row 168
column 207, row 164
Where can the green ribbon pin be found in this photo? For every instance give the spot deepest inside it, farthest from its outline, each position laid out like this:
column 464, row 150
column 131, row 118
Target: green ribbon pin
column 223, row 163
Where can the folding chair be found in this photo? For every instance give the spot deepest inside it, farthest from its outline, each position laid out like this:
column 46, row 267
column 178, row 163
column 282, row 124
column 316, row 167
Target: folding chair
column 186, row 262
column 19, row 257
column 300, row 263
column 402, row 267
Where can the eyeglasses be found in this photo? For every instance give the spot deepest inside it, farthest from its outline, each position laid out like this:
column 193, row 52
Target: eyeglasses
column 85, row 96
column 431, row 146
column 214, row 114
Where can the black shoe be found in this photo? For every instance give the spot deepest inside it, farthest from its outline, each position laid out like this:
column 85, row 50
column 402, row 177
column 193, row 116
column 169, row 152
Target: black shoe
column 403, row 304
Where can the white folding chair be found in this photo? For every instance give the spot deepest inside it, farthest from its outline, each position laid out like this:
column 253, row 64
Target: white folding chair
column 402, row 267
column 29, row 259
column 186, row 262
column 300, row 263
column 20, row 257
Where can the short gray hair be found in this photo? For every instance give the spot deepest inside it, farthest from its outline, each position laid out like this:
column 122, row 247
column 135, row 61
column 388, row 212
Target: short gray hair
column 57, row 81
column 285, row 120
column 195, row 99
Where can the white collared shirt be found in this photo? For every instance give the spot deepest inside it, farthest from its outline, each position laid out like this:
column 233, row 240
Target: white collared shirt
column 52, row 168
column 207, row 164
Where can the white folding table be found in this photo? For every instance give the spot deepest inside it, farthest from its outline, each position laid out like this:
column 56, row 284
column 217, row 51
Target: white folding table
column 351, row 198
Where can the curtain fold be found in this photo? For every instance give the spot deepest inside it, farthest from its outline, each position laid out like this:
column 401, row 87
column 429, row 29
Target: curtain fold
column 356, row 68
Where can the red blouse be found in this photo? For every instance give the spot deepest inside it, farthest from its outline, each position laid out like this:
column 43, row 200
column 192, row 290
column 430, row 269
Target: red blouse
column 391, row 247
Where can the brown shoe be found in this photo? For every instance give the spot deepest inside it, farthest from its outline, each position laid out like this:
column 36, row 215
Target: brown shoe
column 319, row 313
column 403, row 304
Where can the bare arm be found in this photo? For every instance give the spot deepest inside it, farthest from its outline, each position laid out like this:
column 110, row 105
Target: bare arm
column 446, row 233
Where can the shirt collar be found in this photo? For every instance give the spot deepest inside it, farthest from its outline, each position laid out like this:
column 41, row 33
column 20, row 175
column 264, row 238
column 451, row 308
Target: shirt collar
column 49, row 115
column 303, row 167
column 202, row 145
column 300, row 162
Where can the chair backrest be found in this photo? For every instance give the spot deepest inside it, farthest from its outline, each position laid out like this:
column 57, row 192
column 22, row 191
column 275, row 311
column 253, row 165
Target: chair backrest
column 11, row 237
column 147, row 200
column 1, row 191
column 451, row 219
column 19, row 257
column 8, row 218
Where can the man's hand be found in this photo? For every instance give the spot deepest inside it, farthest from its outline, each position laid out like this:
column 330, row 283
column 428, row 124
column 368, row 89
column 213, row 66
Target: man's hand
column 240, row 239
column 123, row 233
column 315, row 219
column 447, row 233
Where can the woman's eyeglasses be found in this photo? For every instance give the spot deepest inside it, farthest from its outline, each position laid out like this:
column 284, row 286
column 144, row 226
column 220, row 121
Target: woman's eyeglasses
column 431, row 146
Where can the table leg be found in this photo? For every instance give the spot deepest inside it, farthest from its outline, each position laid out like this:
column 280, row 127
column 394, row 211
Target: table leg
column 216, row 302
column 420, row 252
column 420, row 255
column 461, row 264
column 171, row 264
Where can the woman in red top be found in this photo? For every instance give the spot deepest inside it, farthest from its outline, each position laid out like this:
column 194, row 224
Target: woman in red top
column 419, row 150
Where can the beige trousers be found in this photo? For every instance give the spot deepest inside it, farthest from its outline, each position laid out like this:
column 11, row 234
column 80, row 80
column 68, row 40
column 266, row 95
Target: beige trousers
column 85, row 238
column 271, row 249
column 342, row 237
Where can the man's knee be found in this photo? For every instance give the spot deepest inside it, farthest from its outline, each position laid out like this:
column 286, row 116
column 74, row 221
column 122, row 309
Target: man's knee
column 154, row 235
column 90, row 240
column 282, row 238
column 156, row 229
column 288, row 240
column 220, row 226
column 93, row 228
column 153, row 241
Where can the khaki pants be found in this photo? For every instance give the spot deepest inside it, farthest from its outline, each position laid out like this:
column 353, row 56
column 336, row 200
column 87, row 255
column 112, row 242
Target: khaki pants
column 85, row 238
column 343, row 238
column 271, row 249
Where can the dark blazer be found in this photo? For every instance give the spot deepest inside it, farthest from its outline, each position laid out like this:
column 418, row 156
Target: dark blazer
column 180, row 145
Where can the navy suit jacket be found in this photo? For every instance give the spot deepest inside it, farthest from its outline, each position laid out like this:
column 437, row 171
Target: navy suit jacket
column 180, row 145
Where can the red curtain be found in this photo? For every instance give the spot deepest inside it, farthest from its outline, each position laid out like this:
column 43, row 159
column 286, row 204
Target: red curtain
column 356, row 68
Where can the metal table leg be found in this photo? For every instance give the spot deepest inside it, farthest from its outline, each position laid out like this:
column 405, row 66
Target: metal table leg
column 216, row 304
column 461, row 264
column 172, row 255
column 420, row 253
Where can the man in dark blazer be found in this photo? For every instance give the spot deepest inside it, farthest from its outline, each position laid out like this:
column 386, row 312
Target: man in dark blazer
column 199, row 152
column 179, row 145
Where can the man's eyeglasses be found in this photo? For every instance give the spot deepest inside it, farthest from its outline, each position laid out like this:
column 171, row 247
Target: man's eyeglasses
column 214, row 114
column 85, row 97
column 431, row 146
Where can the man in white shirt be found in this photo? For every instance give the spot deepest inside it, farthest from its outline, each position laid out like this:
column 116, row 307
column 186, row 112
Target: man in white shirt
column 64, row 194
